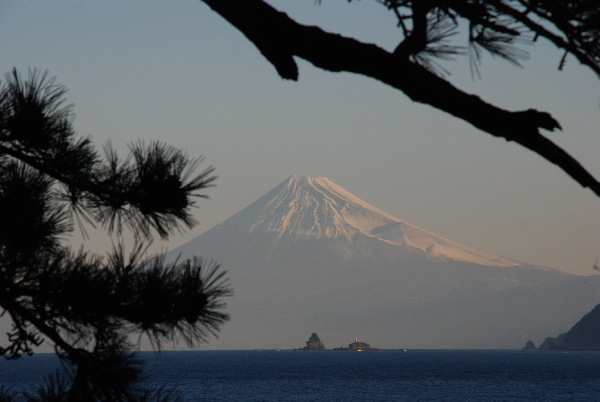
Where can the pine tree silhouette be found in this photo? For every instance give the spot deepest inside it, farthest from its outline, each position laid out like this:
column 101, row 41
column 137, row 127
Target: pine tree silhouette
column 85, row 305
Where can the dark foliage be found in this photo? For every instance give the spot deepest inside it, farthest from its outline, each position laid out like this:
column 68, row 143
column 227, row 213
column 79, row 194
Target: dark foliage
column 426, row 39
column 497, row 26
column 87, row 306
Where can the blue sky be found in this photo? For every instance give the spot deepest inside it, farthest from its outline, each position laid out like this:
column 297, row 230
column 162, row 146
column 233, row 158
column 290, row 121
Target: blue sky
column 177, row 72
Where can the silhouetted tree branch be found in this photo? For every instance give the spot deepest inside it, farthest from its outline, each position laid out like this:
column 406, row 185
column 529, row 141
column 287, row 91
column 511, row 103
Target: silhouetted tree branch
column 494, row 26
column 87, row 306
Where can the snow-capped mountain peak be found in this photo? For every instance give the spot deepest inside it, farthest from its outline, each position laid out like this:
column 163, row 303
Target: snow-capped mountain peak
column 315, row 208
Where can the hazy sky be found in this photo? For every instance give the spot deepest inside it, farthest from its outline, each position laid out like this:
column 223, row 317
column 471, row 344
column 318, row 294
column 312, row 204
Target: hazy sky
column 177, row 72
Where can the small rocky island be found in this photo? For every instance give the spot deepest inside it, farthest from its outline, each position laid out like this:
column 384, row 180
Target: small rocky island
column 356, row 346
column 313, row 343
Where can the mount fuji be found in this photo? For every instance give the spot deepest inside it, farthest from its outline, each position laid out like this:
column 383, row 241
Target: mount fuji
column 308, row 256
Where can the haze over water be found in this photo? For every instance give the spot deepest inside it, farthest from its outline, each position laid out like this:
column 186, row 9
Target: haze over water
column 308, row 256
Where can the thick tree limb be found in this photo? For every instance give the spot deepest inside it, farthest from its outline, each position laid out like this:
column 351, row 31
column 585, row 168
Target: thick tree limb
column 279, row 39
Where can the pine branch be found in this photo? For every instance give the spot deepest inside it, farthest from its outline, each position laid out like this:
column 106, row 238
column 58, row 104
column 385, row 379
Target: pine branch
column 260, row 22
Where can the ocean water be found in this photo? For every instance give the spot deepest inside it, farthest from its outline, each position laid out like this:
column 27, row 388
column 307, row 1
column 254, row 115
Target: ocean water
column 389, row 375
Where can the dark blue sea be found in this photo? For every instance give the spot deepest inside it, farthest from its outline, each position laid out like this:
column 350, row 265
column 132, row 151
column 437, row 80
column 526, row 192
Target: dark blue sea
column 390, row 375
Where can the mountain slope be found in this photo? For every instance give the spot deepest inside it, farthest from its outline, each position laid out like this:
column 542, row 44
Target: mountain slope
column 314, row 208
column 310, row 257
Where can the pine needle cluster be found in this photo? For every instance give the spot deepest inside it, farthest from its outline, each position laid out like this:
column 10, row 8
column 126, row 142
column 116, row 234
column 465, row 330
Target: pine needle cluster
column 497, row 27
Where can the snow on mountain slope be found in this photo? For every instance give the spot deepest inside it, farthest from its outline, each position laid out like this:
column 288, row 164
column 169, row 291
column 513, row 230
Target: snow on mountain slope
column 316, row 208
column 405, row 234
